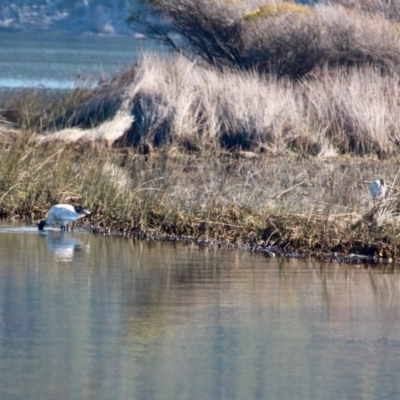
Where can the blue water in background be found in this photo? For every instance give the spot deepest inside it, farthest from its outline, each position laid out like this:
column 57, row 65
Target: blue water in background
column 65, row 61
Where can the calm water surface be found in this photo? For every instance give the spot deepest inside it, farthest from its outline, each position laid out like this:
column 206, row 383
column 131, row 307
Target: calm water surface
column 90, row 317
column 55, row 61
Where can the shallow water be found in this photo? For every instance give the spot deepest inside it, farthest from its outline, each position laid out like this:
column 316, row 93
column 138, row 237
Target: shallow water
column 84, row 316
column 63, row 61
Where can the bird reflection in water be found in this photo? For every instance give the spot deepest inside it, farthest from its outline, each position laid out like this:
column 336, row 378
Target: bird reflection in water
column 64, row 245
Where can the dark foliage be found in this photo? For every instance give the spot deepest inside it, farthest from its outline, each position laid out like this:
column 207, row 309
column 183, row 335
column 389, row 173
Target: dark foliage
column 290, row 42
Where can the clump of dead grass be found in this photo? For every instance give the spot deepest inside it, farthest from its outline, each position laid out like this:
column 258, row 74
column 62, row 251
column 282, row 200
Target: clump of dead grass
column 176, row 102
column 332, row 112
column 387, row 9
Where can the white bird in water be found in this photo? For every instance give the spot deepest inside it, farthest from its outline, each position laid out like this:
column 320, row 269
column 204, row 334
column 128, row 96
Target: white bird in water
column 62, row 214
column 377, row 189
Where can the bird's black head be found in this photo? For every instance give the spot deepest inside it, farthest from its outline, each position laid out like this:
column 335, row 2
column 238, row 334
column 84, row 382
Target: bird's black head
column 81, row 210
column 41, row 225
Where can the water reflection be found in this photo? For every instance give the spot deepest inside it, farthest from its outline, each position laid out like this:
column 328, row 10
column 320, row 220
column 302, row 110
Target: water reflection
column 63, row 244
column 151, row 320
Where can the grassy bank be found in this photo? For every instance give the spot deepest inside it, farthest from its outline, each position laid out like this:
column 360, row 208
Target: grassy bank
column 240, row 154
column 293, row 203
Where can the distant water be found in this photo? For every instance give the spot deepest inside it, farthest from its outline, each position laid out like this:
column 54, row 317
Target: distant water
column 92, row 317
column 60, row 61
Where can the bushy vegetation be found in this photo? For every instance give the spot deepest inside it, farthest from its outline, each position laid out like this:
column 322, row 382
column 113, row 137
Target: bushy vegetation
column 176, row 102
column 387, row 9
column 328, row 85
column 282, row 38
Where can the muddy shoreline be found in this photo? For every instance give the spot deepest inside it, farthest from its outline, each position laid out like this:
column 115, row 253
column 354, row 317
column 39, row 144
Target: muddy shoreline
column 374, row 255
column 267, row 251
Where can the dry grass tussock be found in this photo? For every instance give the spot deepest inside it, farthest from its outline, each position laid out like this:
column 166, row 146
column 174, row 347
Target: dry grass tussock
column 387, row 9
column 324, row 205
column 176, row 102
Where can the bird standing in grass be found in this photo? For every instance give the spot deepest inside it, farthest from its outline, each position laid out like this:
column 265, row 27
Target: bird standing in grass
column 62, row 214
column 377, row 189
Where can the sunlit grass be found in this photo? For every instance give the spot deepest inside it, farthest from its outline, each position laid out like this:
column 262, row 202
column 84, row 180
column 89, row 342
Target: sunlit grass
column 323, row 206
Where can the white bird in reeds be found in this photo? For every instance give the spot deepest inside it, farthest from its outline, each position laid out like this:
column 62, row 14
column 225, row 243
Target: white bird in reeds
column 377, row 189
column 62, row 214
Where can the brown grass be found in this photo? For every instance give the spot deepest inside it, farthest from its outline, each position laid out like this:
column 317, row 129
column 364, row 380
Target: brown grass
column 277, row 158
column 294, row 204
column 387, row 9
column 174, row 101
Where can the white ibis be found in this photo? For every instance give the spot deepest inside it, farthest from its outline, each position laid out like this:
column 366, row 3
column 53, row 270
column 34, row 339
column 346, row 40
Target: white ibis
column 62, row 214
